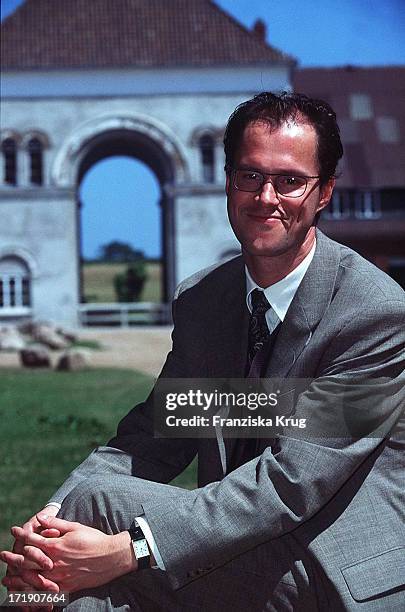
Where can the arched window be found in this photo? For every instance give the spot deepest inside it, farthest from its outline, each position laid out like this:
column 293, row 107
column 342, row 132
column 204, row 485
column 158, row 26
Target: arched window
column 9, row 150
column 15, row 289
column 207, row 152
column 35, row 150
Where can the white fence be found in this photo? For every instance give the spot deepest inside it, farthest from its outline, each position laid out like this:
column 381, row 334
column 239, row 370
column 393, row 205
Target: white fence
column 124, row 314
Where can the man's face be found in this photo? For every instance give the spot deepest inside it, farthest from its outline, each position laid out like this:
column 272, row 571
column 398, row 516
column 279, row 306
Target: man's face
column 264, row 222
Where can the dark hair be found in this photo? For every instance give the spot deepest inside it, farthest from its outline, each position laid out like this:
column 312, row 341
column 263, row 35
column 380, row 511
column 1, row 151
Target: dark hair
column 275, row 110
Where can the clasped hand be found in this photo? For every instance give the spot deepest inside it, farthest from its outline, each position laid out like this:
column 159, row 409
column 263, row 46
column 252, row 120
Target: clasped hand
column 56, row 555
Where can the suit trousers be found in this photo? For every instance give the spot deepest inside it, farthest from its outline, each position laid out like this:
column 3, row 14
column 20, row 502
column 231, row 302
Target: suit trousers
column 276, row 576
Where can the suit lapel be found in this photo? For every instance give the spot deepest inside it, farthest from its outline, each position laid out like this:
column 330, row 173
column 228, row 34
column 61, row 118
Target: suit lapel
column 231, row 326
column 307, row 308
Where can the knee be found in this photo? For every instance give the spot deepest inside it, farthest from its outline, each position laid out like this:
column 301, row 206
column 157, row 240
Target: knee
column 82, row 503
column 103, row 502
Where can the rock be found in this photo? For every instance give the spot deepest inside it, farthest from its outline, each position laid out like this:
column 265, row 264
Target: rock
column 26, row 327
column 11, row 339
column 45, row 334
column 35, row 356
column 67, row 334
column 73, row 360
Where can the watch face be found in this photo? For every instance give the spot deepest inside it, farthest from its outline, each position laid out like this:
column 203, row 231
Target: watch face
column 141, row 549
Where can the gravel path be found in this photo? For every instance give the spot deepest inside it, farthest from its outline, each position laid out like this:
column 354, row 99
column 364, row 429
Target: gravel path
column 137, row 348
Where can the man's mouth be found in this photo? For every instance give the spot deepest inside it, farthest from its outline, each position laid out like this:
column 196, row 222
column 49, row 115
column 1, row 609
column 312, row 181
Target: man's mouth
column 262, row 218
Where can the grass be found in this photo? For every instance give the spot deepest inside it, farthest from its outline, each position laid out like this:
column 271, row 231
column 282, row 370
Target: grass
column 98, row 282
column 50, row 421
column 95, row 345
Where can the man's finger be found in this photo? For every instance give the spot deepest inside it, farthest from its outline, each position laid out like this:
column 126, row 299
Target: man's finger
column 37, row 580
column 13, row 559
column 16, row 583
column 35, row 539
column 37, row 556
column 18, row 532
column 50, row 533
column 52, row 522
column 17, row 561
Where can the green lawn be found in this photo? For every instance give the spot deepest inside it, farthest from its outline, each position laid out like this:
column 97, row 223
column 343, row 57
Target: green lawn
column 98, row 281
column 50, row 421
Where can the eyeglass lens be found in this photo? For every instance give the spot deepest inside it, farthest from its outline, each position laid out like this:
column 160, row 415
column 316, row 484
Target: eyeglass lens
column 293, row 186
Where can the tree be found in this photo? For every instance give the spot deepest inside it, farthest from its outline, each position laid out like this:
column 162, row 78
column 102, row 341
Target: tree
column 121, row 252
column 128, row 285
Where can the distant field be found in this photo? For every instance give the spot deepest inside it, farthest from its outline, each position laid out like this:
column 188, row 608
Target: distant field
column 98, row 282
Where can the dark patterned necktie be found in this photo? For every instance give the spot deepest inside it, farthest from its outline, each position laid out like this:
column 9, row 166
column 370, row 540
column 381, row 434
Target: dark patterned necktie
column 258, row 330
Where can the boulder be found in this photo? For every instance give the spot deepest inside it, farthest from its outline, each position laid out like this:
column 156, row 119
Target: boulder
column 67, row 334
column 73, row 360
column 11, row 339
column 45, row 334
column 35, row 356
column 26, row 327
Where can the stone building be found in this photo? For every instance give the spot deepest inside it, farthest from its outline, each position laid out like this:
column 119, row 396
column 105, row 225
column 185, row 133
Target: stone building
column 367, row 211
column 81, row 81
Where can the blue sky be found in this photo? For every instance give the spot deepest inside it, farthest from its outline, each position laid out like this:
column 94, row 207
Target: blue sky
column 315, row 32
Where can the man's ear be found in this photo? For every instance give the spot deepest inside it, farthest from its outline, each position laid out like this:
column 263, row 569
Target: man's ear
column 326, row 194
column 227, row 183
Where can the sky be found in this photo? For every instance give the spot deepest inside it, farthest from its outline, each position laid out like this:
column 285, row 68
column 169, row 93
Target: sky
column 315, row 32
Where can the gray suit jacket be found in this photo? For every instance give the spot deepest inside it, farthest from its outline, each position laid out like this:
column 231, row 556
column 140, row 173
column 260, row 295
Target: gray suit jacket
column 340, row 498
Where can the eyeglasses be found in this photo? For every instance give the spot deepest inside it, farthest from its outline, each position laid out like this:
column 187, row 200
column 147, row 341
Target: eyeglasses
column 287, row 185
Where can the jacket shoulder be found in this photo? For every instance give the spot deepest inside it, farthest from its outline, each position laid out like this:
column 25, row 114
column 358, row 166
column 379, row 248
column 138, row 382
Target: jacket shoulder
column 212, row 278
column 359, row 276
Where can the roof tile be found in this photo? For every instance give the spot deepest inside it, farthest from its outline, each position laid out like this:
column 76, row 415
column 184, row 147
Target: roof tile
column 138, row 33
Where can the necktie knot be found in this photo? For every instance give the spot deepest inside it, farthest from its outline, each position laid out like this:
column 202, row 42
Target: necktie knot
column 260, row 304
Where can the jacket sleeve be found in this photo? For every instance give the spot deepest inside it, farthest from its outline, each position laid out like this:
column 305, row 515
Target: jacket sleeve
column 282, row 489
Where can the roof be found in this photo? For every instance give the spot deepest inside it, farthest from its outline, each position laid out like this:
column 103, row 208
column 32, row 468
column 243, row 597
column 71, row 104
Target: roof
column 46, row 34
column 370, row 107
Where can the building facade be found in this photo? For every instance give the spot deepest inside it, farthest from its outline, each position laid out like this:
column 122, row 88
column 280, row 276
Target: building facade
column 367, row 211
column 81, row 81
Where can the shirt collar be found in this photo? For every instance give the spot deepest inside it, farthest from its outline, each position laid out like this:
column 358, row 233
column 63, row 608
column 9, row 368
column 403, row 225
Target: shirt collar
column 281, row 294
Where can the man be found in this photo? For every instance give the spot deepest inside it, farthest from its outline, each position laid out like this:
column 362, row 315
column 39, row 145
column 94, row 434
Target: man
column 300, row 523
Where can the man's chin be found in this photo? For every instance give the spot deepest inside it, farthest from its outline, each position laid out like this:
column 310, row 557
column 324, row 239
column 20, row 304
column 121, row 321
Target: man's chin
column 263, row 249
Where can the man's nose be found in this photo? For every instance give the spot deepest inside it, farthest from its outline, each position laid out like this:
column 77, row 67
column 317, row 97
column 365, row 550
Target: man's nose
column 268, row 195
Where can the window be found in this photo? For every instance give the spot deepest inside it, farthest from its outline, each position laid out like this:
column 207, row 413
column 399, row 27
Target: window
column 35, row 150
column 339, row 206
column 360, row 106
column 347, row 203
column 207, row 151
column 367, row 205
column 9, row 150
column 349, row 130
column 388, row 129
column 393, row 202
column 15, row 290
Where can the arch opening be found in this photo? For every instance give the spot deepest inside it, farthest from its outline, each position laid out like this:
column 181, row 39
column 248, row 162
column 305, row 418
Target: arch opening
column 130, row 146
column 15, row 283
column 9, row 150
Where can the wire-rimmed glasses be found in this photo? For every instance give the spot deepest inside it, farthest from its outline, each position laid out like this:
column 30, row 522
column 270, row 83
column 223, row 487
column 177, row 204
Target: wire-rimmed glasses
column 286, row 185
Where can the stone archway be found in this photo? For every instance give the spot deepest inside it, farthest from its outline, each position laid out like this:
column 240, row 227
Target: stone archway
column 143, row 139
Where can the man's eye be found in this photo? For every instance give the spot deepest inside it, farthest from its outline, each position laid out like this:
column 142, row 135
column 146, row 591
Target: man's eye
column 250, row 176
column 291, row 181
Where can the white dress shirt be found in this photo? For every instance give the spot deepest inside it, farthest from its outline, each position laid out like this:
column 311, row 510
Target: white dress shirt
column 281, row 294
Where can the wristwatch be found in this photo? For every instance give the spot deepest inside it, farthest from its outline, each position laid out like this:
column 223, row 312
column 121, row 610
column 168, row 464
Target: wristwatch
column 140, row 546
